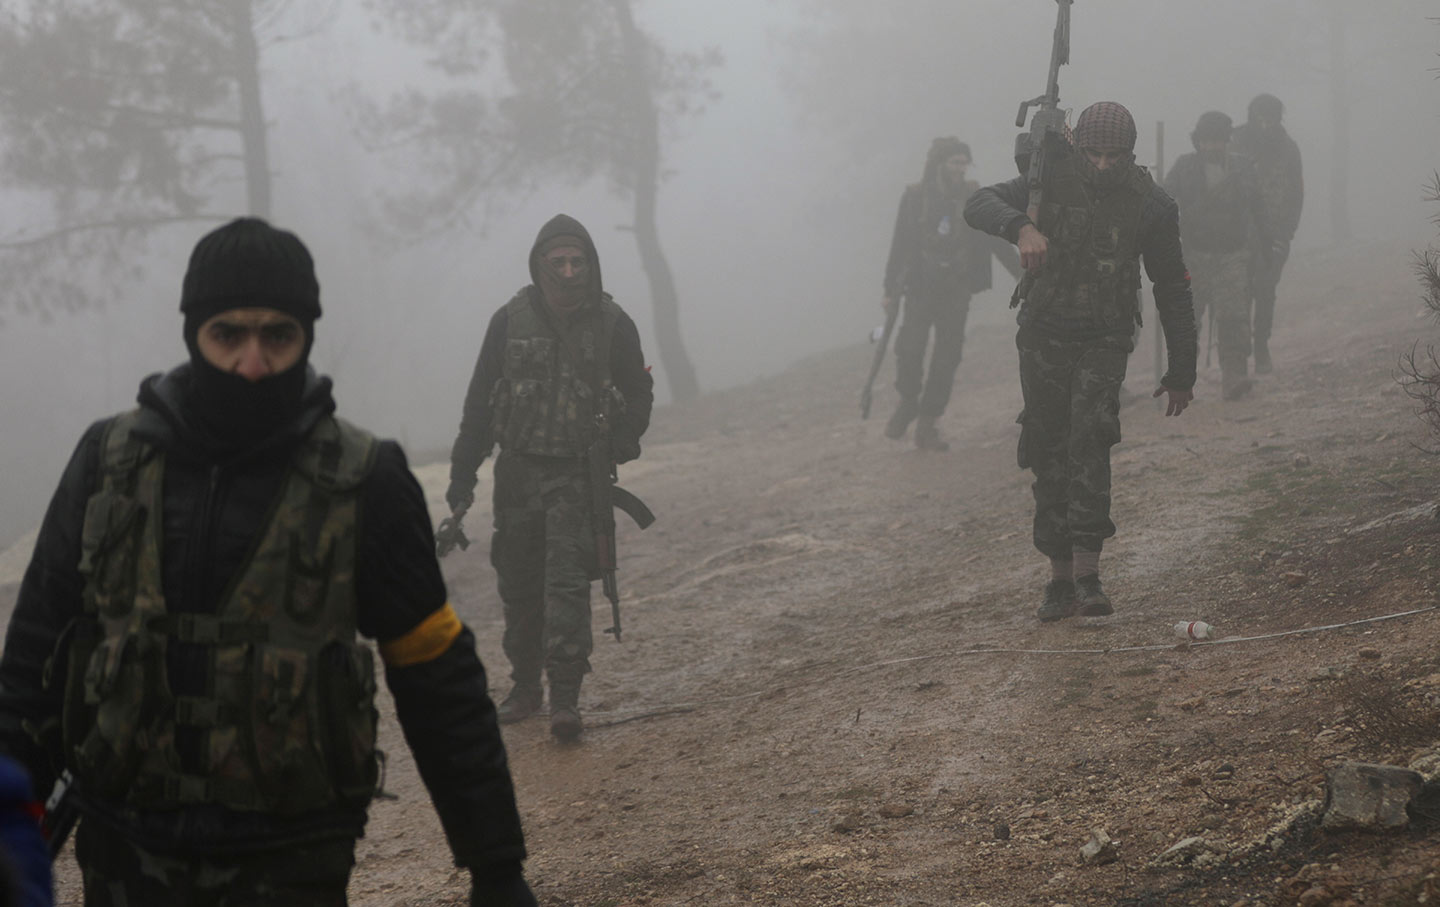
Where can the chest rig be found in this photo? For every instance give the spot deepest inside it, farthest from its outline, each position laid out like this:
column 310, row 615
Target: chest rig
column 1092, row 269
column 555, row 379
column 289, row 715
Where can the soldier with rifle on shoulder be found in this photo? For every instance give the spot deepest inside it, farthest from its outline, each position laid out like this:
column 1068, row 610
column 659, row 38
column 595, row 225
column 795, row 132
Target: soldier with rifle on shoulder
column 562, row 388
column 1084, row 217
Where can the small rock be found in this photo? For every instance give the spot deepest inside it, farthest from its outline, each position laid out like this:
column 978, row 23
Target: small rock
column 1367, row 795
column 1099, row 850
column 1370, row 652
column 1301, row 460
column 846, row 824
column 1183, row 852
column 1002, row 831
column 1295, row 579
column 896, row 811
column 1316, row 896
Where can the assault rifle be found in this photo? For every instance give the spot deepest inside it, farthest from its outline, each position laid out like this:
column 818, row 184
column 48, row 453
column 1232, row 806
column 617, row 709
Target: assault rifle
column 450, row 534
column 61, row 814
column 879, row 360
column 1047, row 127
column 606, row 496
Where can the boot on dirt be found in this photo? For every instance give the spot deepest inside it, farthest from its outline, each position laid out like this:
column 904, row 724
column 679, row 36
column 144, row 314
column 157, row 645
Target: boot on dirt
column 565, row 723
column 1263, row 365
column 1091, row 598
column 900, row 420
column 523, row 700
column 927, row 436
column 1059, row 601
column 1233, row 387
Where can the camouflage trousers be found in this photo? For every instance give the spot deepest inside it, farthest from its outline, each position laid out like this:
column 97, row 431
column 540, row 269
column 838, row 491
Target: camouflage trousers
column 1221, row 283
column 117, row 873
column 1264, row 278
column 1070, row 421
column 543, row 552
column 946, row 314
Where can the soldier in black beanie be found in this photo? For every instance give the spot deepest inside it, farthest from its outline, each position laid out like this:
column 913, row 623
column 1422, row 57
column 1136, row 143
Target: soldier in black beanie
column 203, row 576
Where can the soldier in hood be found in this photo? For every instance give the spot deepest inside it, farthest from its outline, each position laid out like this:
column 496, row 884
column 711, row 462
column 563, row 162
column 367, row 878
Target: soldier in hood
column 558, row 361
column 1264, row 140
column 936, row 263
column 1100, row 219
column 185, row 642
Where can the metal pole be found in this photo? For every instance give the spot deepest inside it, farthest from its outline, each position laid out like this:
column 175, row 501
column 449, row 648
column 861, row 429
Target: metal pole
column 1159, row 334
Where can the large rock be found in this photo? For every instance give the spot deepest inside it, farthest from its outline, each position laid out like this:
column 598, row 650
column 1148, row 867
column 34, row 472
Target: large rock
column 1369, row 796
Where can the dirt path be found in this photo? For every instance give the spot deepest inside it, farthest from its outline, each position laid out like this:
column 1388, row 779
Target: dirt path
column 832, row 690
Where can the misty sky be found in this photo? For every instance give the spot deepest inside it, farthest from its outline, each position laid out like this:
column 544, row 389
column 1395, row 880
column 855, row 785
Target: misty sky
column 780, row 198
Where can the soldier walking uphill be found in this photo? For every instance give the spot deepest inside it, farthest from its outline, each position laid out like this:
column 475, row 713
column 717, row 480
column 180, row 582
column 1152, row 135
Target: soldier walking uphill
column 1220, row 202
column 558, row 361
column 1263, row 139
column 1100, row 216
column 936, row 264
column 185, row 638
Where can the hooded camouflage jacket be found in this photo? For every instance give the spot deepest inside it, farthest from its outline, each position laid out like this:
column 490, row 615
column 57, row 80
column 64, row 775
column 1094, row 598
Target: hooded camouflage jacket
column 540, row 360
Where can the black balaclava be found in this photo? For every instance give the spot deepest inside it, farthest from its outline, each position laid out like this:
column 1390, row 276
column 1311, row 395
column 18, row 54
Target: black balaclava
column 247, row 264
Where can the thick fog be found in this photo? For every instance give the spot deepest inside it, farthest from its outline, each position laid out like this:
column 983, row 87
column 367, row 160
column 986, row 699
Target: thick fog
column 778, row 200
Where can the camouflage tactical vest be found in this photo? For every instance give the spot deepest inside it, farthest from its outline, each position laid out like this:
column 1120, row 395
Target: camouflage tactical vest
column 556, row 378
column 1092, row 269
column 290, row 716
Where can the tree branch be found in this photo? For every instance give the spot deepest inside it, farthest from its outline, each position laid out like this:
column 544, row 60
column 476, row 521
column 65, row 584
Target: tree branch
column 122, row 223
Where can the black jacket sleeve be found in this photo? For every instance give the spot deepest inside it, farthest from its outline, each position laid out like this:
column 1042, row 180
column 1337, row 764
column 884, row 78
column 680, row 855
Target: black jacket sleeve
column 1294, row 203
column 450, row 726
column 1165, row 264
column 633, row 379
column 903, row 243
column 443, row 705
column 49, row 601
column 999, row 209
column 1255, row 202
column 476, row 438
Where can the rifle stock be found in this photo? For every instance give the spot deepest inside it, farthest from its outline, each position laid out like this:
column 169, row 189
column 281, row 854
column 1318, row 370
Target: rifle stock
column 879, row 359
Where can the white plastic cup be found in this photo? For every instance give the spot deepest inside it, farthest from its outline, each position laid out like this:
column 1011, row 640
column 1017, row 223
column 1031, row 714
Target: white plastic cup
column 1194, row 629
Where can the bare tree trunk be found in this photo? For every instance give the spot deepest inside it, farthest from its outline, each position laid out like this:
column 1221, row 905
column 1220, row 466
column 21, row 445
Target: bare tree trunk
column 253, row 135
column 1340, row 120
column 664, row 299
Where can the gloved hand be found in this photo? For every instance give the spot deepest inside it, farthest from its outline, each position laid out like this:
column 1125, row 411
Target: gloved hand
column 500, row 886
column 460, row 494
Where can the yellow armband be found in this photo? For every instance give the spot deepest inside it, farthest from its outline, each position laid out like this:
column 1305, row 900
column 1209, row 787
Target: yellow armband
column 427, row 642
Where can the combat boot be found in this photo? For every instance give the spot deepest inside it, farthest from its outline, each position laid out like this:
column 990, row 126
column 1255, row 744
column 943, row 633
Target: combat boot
column 1233, row 387
column 1263, row 365
column 565, row 723
column 523, row 700
column 1091, row 598
column 900, row 420
column 927, row 436
column 1059, row 601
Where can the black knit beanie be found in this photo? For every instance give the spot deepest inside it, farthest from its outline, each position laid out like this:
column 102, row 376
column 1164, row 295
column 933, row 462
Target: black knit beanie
column 248, row 263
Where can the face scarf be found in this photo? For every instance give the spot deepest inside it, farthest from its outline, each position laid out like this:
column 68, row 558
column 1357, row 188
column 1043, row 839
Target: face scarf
column 564, row 294
column 1118, row 175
